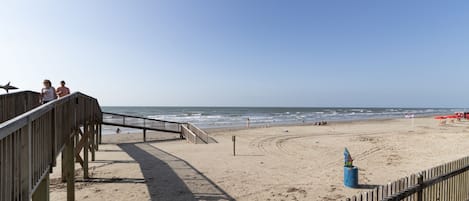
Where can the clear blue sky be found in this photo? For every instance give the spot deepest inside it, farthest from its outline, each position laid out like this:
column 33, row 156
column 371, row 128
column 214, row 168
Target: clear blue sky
column 242, row 53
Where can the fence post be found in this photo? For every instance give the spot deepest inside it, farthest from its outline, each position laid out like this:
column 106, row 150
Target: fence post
column 69, row 158
column 233, row 138
column 86, row 134
column 419, row 183
column 144, row 135
column 92, row 140
column 42, row 191
column 100, row 132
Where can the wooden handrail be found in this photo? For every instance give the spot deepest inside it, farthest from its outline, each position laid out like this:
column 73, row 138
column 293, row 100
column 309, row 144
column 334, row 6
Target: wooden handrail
column 199, row 132
column 138, row 117
column 21, row 120
column 122, row 120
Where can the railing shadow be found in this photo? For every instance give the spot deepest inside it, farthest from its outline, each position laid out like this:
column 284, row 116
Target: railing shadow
column 113, row 161
column 171, row 178
column 367, row 186
column 112, row 180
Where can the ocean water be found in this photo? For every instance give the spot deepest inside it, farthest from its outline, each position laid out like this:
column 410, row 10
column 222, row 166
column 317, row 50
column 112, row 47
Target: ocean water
column 219, row 117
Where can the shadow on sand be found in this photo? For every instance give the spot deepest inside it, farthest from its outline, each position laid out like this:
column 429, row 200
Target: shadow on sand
column 171, row 178
column 367, row 186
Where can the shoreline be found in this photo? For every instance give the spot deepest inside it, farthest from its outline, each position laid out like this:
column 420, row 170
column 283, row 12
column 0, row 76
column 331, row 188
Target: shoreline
column 333, row 122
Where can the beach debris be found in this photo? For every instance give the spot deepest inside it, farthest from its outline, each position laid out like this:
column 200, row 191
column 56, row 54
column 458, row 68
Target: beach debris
column 8, row 87
column 348, row 161
column 233, row 138
column 286, row 131
column 320, row 123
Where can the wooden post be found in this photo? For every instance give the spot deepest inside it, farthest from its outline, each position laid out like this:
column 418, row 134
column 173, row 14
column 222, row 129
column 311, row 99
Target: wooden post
column 69, row 165
column 92, row 138
column 97, row 136
column 42, row 191
column 64, row 177
column 30, row 158
column 144, row 135
column 233, row 138
column 53, row 132
column 25, row 163
column 77, row 139
column 100, row 133
column 85, row 150
column 419, row 182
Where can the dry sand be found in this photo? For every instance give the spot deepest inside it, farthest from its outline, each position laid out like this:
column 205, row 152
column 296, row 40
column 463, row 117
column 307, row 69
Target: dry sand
column 305, row 163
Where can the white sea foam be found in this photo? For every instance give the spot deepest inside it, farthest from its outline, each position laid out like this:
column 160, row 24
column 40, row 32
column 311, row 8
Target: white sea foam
column 220, row 117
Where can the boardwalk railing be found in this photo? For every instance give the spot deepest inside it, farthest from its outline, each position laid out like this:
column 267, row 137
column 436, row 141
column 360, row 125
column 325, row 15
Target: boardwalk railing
column 31, row 142
column 199, row 133
column 144, row 123
column 189, row 135
column 14, row 104
column 187, row 130
column 447, row 182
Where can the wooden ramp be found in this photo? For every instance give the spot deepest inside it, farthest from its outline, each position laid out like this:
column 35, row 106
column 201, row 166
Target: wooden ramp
column 187, row 131
column 33, row 135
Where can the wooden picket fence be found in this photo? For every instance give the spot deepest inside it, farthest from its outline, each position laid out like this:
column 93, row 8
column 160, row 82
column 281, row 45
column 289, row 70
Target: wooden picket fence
column 447, row 182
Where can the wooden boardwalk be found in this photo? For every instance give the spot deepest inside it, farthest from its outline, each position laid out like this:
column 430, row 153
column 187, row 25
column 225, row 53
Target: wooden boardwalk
column 33, row 135
column 31, row 142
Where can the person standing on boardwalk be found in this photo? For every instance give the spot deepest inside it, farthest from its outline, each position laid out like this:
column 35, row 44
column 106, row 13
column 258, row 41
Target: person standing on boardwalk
column 48, row 92
column 62, row 90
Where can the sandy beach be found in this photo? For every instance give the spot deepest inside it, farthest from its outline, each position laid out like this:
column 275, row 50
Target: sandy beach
column 276, row 163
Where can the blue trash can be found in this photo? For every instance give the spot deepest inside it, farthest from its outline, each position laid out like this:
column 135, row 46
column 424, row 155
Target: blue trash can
column 351, row 177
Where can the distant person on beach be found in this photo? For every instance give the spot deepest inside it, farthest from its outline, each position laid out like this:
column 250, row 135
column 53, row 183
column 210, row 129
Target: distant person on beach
column 248, row 123
column 48, row 92
column 62, row 90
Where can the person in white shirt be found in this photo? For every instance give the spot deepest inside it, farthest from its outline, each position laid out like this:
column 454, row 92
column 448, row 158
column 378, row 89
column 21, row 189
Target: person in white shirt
column 48, row 92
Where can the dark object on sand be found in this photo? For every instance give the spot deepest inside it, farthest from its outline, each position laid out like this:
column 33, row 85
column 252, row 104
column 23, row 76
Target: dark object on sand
column 320, row 123
column 8, row 87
